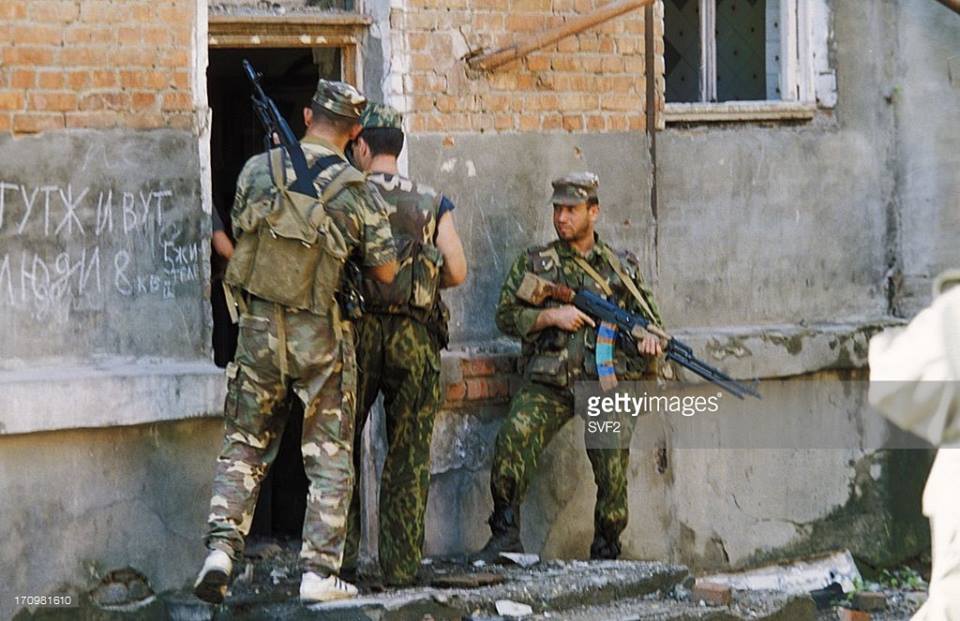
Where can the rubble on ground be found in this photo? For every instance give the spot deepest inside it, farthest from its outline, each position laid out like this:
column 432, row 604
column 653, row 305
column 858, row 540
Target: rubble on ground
column 267, row 584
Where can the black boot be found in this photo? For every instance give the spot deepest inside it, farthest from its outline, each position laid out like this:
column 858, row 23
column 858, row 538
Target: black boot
column 505, row 537
column 603, row 549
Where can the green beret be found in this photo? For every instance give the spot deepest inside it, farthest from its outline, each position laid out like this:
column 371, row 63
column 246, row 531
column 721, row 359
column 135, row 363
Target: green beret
column 575, row 188
column 381, row 115
column 340, row 98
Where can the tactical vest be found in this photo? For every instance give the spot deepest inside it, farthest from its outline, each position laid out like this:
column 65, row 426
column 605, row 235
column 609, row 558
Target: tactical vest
column 289, row 250
column 414, row 224
column 560, row 358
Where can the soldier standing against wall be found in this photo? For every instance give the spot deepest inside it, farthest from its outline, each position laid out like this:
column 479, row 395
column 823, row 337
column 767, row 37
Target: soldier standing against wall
column 285, row 270
column 399, row 340
column 556, row 342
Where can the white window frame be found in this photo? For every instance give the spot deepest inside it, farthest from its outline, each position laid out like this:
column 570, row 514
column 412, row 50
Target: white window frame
column 806, row 80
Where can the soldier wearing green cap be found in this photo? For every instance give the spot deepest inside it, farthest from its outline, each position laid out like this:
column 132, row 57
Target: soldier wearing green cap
column 557, row 346
column 399, row 340
column 285, row 271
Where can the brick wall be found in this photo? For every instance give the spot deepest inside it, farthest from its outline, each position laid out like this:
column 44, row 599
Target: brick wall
column 592, row 82
column 472, row 378
column 95, row 64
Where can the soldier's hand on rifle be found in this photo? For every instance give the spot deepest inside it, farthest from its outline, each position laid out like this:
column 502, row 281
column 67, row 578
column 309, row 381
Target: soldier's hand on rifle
column 570, row 318
column 650, row 346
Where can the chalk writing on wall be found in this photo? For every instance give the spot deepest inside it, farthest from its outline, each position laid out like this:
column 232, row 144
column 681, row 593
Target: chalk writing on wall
column 68, row 248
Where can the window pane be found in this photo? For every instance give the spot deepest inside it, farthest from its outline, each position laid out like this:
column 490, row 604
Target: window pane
column 742, row 50
column 681, row 55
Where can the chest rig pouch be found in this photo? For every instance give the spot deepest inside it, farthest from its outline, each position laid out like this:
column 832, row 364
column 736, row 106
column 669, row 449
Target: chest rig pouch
column 414, row 222
column 547, row 357
column 294, row 253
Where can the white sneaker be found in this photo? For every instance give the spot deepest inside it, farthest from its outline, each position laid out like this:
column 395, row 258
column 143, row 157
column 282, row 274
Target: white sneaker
column 314, row 588
column 211, row 584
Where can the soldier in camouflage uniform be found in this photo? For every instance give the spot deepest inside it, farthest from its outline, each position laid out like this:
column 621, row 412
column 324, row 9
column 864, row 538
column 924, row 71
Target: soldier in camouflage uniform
column 399, row 340
column 290, row 254
column 558, row 343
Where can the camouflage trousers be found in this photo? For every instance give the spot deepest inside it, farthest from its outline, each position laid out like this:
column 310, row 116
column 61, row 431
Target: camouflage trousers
column 537, row 412
column 278, row 347
column 396, row 355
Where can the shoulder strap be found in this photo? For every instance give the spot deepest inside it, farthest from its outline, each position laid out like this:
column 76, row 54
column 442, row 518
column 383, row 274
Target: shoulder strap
column 592, row 273
column 278, row 171
column 614, row 262
column 278, row 168
column 324, row 163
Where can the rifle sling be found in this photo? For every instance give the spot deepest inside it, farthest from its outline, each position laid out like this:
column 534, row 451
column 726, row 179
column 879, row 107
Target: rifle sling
column 626, row 280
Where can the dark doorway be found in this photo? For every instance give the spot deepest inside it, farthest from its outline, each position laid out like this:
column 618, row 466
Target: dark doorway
column 289, row 77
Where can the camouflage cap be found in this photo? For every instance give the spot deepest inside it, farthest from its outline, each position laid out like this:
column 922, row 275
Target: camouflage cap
column 381, row 115
column 575, row 188
column 339, row 98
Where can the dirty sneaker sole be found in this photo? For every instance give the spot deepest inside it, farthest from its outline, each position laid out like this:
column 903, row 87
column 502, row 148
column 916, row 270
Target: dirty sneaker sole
column 213, row 587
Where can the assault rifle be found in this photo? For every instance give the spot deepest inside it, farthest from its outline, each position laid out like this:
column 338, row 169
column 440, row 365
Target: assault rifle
column 631, row 327
column 274, row 124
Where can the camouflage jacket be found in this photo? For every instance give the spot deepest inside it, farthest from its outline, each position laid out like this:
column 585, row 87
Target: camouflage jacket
column 556, row 357
column 357, row 212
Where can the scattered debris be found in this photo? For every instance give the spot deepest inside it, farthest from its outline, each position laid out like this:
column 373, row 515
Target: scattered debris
column 509, row 608
column 523, row 560
column 572, row 590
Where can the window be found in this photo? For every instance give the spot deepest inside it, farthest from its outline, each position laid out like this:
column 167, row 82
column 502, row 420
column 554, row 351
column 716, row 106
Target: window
column 719, row 54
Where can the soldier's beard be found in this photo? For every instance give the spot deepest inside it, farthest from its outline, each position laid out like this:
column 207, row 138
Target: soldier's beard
column 572, row 234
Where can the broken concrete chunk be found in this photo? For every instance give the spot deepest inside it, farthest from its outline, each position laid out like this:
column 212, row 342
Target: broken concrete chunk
column 523, row 560
column 798, row 577
column 509, row 608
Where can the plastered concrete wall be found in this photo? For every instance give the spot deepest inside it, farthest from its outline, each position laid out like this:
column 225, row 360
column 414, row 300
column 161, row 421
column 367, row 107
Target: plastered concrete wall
column 78, row 504
column 786, row 223
column 926, row 93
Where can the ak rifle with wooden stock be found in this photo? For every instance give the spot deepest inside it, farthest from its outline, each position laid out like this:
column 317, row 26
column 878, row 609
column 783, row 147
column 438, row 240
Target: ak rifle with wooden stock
column 630, row 326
